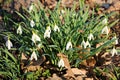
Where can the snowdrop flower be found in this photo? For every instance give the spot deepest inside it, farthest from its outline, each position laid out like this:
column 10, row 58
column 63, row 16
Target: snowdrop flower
column 56, row 28
column 88, row 44
column 83, row 44
column 33, row 56
column 19, row 30
column 114, row 51
column 47, row 32
column 104, row 21
column 32, row 23
column 116, row 41
column 105, row 30
column 31, row 8
column 91, row 37
column 9, row 44
column 35, row 37
column 61, row 63
column 62, row 11
column 69, row 45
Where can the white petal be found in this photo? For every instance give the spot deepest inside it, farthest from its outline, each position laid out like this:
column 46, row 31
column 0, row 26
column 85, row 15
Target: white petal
column 104, row 21
column 30, row 8
column 33, row 56
column 68, row 46
column 32, row 23
column 88, row 44
column 47, row 32
column 62, row 11
column 35, row 38
column 61, row 63
column 19, row 30
column 105, row 30
column 56, row 28
column 116, row 41
column 83, row 44
column 114, row 51
column 91, row 37
column 9, row 44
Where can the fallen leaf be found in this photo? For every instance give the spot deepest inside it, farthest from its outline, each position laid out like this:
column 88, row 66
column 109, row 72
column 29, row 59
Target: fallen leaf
column 79, row 78
column 88, row 79
column 69, row 74
column 77, row 71
column 54, row 77
column 91, row 62
column 23, row 57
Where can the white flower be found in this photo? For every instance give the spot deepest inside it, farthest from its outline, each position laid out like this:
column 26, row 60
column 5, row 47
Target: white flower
column 19, row 30
column 91, row 37
column 62, row 11
column 61, row 63
column 104, row 21
column 35, row 37
column 32, row 23
column 85, row 44
column 56, row 28
column 9, row 44
column 116, row 41
column 30, row 8
column 47, row 32
column 33, row 56
column 114, row 51
column 88, row 44
column 69, row 45
column 105, row 30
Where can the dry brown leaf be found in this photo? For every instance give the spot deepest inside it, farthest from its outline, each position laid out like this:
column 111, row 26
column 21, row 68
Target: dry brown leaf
column 88, row 79
column 54, row 77
column 77, row 71
column 69, row 73
column 23, row 57
column 79, row 78
column 32, row 68
column 91, row 62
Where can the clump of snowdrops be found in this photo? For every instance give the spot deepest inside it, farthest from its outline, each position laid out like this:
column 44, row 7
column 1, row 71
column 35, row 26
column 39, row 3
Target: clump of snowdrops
column 67, row 31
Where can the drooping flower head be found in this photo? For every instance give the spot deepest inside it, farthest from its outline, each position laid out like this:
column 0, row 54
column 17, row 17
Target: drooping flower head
column 9, row 44
column 88, row 44
column 105, row 21
column 69, row 45
column 32, row 23
column 47, row 32
column 19, row 30
column 114, row 51
column 56, row 28
column 85, row 44
column 35, row 38
column 105, row 30
column 116, row 41
column 61, row 63
column 90, row 37
column 31, row 8
column 33, row 56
